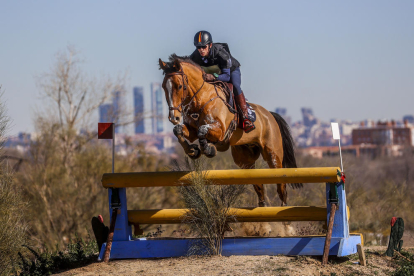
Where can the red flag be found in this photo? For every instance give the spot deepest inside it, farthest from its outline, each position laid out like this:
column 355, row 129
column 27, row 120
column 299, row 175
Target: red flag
column 105, row 130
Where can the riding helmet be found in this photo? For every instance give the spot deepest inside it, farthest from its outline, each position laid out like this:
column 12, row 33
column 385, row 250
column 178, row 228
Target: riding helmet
column 202, row 38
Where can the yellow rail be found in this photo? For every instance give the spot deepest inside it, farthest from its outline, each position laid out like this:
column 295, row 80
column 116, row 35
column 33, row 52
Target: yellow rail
column 256, row 214
column 222, row 177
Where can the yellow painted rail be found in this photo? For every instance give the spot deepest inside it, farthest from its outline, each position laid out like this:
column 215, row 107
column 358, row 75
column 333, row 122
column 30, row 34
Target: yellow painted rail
column 256, row 214
column 222, row 177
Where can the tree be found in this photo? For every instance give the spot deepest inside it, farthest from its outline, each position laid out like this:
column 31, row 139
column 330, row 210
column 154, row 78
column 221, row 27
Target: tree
column 61, row 177
column 72, row 99
column 12, row 208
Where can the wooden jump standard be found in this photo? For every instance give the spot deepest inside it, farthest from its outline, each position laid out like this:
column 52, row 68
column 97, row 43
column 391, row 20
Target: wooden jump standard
column 125, row 247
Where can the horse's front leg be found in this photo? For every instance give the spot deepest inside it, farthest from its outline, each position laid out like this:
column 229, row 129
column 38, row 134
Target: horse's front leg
column 182, row 133
column 209, row 133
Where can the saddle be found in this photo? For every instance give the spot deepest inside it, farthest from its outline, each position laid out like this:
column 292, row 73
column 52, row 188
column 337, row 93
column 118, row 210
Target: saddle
column 227, row 88
column 237, row 122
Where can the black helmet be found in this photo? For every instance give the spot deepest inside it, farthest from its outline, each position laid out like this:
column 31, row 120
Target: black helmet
column 202, row 38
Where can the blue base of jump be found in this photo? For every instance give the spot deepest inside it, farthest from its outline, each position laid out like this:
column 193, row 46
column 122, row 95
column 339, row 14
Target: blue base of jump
column 167, row 248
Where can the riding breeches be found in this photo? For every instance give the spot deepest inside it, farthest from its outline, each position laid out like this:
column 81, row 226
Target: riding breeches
column 235, row 79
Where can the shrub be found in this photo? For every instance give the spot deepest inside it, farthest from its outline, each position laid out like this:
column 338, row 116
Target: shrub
column 209, row 207
column 78, row 252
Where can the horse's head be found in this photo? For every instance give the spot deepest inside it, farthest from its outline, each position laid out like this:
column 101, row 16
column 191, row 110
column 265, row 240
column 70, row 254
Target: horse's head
column 175, row 87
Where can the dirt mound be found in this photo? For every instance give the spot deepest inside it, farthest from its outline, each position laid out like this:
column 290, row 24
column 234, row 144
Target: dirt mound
column 242, row 265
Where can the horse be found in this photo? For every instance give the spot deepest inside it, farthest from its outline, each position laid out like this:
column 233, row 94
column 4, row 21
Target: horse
column 198, row 110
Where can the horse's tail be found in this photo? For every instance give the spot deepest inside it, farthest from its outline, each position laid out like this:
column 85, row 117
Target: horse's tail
column 289, row 160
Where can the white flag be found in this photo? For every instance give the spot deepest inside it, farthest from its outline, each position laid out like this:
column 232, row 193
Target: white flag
column 335, row 131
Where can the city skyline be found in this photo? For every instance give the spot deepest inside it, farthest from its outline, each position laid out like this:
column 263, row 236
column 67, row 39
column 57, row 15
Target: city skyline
column 111, row 112
column 348, row 59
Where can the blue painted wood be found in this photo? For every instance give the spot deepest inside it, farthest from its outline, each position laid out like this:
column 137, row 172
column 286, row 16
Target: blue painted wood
column 311, row 246
column 123, row 231
column 348, row 246
column 340, row 226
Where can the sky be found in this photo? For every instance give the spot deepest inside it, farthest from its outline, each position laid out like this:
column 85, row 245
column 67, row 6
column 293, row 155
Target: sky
column 345, row 59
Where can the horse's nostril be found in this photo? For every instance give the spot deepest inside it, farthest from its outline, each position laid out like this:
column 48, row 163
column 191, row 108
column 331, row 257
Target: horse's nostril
column 177, row 118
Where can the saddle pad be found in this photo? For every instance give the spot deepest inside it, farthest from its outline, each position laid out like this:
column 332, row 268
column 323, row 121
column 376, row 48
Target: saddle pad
column 251, row 114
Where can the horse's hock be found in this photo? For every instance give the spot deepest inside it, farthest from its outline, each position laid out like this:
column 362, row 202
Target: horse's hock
column 342, row 243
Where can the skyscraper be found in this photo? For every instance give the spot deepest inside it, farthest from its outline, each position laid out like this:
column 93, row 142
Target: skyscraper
column 308, row 118
column 157, row 100
column 139, row 109
column 105, row 113
column 116, row 109
column 111, row 112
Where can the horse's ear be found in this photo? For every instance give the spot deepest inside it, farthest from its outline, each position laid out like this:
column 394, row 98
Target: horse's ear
column 177, row 65
column 163, row 65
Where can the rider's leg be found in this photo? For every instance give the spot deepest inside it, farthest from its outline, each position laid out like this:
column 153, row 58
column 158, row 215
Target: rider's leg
column 235, row 79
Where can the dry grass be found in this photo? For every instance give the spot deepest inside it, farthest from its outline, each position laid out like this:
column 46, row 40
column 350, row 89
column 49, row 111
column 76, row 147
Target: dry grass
column 13, row 225
column 209, row 206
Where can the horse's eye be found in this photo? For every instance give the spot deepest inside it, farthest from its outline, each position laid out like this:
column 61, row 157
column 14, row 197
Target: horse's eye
column 180, row 86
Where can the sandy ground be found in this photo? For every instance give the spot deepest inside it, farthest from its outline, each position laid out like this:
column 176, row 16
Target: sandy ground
column 245, row 265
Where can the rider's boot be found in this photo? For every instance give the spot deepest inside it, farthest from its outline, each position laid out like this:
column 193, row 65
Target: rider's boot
column 243, row 111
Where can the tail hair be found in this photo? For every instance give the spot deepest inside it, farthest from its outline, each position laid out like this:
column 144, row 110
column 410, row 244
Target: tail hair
column 289, row 159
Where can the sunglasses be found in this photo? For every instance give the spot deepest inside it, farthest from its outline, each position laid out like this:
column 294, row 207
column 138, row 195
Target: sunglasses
column 201, row 47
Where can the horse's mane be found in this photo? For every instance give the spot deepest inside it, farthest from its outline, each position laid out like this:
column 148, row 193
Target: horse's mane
column 172, row 58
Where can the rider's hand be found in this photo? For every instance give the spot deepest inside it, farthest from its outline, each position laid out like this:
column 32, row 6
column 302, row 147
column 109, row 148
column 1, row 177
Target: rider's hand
column 209, row 77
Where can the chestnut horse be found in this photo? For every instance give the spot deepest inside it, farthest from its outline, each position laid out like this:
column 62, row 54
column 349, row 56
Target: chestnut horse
column 199, row 111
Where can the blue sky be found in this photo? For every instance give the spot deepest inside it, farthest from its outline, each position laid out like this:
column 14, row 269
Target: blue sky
column 345, row 59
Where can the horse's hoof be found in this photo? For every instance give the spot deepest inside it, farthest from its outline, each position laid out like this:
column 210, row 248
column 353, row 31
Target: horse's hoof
column 178, row 130
column 210, row 150
column 262, row 204
column 195, row 152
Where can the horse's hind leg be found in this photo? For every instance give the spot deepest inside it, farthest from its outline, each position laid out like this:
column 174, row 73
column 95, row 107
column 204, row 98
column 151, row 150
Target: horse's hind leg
column 245, row 157
column 275, row 161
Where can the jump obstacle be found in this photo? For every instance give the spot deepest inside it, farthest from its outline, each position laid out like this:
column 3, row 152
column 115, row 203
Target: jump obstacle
column 124, row 246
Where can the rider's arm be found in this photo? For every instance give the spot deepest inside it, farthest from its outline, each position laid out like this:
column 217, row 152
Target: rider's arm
column 225, row 75
column 225, row 65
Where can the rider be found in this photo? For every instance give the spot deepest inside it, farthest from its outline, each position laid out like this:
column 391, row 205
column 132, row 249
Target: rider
column 209, row 54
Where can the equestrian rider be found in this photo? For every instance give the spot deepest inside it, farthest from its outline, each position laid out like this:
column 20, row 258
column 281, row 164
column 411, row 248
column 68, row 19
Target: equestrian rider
column 209, row 54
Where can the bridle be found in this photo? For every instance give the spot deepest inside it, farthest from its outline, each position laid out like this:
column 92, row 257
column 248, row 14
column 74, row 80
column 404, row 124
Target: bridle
column 185, row 80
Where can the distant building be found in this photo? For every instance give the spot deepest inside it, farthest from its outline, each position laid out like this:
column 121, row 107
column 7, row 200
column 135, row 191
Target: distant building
column 139, row 109
column 383, row 134
column 283, row 112
column 308, row 118
column 409, row 119
column 105, row 113
column 117, row 107
column 157, row 100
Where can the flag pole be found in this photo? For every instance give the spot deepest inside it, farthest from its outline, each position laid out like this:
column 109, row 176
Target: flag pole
column 340, row 154
column 113, row 149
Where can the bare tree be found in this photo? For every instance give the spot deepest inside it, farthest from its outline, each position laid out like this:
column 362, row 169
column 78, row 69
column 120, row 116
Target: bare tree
column 74, row 100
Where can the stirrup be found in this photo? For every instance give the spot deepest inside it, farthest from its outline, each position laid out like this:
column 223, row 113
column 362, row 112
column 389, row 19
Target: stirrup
column 246, row 127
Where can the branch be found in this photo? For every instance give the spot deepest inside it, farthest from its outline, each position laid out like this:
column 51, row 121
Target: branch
column 79, row 106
